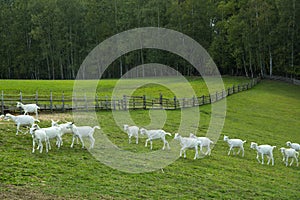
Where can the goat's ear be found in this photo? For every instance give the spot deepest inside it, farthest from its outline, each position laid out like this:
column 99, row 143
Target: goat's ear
column 72, row 123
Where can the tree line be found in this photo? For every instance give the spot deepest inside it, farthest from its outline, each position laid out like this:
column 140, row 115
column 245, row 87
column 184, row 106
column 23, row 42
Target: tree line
column 49, row 39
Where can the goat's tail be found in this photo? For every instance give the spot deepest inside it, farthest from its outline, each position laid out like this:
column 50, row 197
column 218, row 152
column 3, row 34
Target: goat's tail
column 244, row 141
column 297, row 154
column 36, row 120
column 167, row 133
column 273, row 147
column 96, row 127
column 38, row 107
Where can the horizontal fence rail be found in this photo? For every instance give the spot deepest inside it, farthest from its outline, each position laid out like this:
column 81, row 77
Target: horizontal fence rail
column 64, row 103
column 284, row 79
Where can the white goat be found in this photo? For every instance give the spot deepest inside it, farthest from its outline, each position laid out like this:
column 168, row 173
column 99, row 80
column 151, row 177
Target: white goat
column 295, row 146
column 21, row 120
column 52, row 132
column 289, row 153
column 29, row 108
column 187, row 143
column 2, row 117
column 235, row 143
column 82, row 131
column 205, row 142
column 263, row 150
column 155, row 134
column 39, row 136
column 132, row 131
column 64, row 129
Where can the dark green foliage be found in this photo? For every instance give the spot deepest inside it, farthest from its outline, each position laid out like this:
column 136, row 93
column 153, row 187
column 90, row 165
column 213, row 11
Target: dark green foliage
column 49, row 39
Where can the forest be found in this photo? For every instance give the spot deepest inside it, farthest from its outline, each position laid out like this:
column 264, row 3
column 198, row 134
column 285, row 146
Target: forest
column 49, row 39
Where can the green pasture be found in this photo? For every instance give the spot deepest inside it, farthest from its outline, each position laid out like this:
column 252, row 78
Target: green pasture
column 269, row 113
column 105, row 87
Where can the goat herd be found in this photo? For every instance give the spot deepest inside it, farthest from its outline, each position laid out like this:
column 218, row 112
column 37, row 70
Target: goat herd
column 56, row 131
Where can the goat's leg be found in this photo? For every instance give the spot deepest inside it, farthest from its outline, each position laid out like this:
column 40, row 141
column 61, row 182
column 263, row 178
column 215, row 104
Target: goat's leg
column 229, row 151
column 33, row 145
column 297, row 161
column 41, row 145
column 166, row 142
column 184, row 153
column 129, row 139
column 262, row 159
column 92, row 139
column 81, row 140
column 47, row 145
column 73, row 139
column 180, row 154
column 196, row 153
column 137, row 139
column 243, row 151
column 146, row 143
column 292, row 162
column 286, row 161
column 257, row 157
column 151, row 144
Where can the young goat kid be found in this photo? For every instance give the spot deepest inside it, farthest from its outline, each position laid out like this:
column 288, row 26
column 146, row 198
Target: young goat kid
column 289, row 153
column 64, row 129
column 39, row 136
column 52, row 132
column 29, row 108
column 262, row 150
column 205, row 142
column 82, row 131
column 295, row 146
column 132, row 131
column 235, row 143
column 21, row 120
column 188, row 143
column 154, row 135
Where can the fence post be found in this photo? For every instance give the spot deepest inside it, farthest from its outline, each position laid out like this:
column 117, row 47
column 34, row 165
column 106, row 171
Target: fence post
column 21, row 100
column 63, row 101
column 114, row 103
column 175, row 102
column 51, row 106
column 217, row 96
column 36, row 97
column 97, row 103
column 2, row 103
column 106, row 102
column 85, row 101
column 124, row 102
column 194, row 101
column 144, row 102
column 161, row 100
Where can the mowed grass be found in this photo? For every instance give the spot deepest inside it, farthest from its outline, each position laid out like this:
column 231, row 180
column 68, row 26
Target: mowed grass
column 268, row 113
column 105, row 87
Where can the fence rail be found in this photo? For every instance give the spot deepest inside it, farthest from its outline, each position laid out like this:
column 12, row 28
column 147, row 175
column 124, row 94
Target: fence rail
column 83, row 103
column 285, row 79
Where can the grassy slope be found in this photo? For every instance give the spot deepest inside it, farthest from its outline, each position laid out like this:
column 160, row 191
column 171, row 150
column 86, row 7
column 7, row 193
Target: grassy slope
column 269, row 113
column 105, row 87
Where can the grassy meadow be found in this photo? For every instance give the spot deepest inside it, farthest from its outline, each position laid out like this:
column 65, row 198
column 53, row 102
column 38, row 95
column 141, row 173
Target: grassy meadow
column 105, row 87
column 269, row 113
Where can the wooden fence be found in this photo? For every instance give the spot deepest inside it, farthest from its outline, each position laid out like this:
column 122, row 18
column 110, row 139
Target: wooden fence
column 64, row 103
column 285, row 79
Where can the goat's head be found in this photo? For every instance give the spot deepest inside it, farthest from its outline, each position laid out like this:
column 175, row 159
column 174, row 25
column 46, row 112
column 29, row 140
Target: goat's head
column 282, row 149
column 192, row 135
column 19, row 104
column 54, row 123
column 177, row 136
column 288, row 143
column 253, row 145
column 226, row 138
column 143, row 131
column 125, row 127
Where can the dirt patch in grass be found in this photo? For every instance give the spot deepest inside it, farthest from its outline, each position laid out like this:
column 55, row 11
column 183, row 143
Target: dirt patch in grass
column 12, row 192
